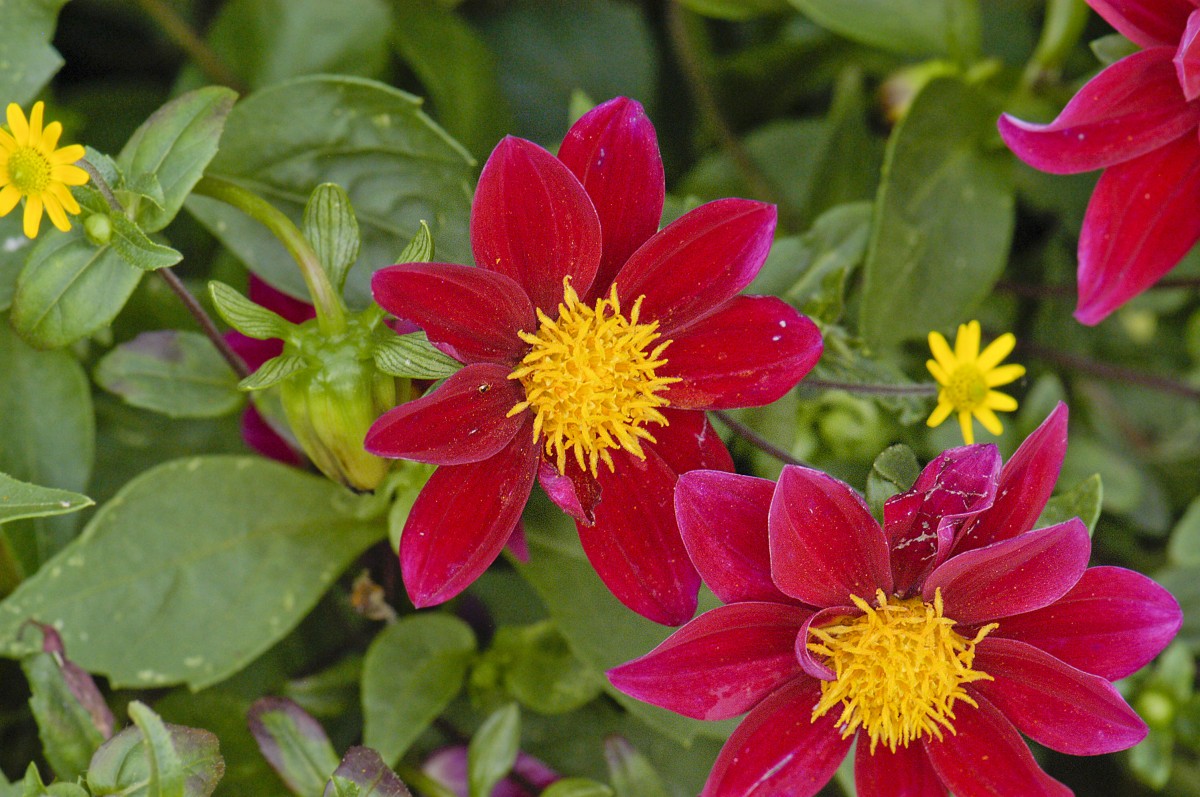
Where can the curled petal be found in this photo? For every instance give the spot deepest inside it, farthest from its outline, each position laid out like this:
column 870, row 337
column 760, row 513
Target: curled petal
column 1146, row 22
column 719, row 665
column 574, row 492
column 1187, row 58
column 905, row 772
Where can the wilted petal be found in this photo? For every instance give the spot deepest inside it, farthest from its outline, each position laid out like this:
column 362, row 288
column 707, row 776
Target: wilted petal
column 532, row 221
column 723, row 520
column 699, row 262
column 1131, row 108
column 778, row 749
column 1054, row 704
column 1019, row 575
column 613, row 150
column 1146, row 22
column 462, row 519
column 719, row 665
column 750, row 352
column 1111, row 623
column 825, row 546
column 1140, row 222
column 471, row 313
column 906, row 772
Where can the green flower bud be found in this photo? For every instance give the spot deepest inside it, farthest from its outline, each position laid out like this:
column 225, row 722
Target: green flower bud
column 1156, row 708
column 98, row 228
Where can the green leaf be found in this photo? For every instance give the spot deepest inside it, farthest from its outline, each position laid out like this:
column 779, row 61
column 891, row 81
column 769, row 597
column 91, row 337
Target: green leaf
column 332, row 229
column 248, row 317
column 400, row 168
column 134, row 762
column 893, row 472
column 178, row 374
column 1082, row 501
column 907, row 27
column 133, row 245
column 195, row 568
column 166, row 775
column 1184, row 547
column 362, row 773
column 419, row 248
column 273, row 371
column 67, row 729
column 294, row 744
column 541, row 671
column 1112, row 48
column 493, row 750
column 14, row 249
column 943, row 217
column 175, row 145
column 631, row 772
column 69, row 289
column 412, row 671
column 411, row 356
column 736, row 10
column 32, row 786
column 577, row 787
column 20, row 499
column 29, row 60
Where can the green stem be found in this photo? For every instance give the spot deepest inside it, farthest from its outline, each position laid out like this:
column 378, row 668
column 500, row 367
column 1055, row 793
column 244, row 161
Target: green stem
column 1063, row 25
column 420, row 781
column 330, row 314
column 753, row 438
column 872, row 390
column 180, row 32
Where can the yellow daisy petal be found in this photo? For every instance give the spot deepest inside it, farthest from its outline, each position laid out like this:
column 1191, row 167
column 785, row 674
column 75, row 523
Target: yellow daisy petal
column 938, row 372
column 51, row 135
column 940, row 413
column 63, row 195
column 1000, row 401
column 968, row 431
column 989, row 420
column 54, row 210
column 68, row 154
column 7, row 142
column 71, row 175
column 35, row 123
column 17, row 124
column 966, row 345
column 996, row 351
column 1003, row 375
column 9, row 197
column 33, row 216
column 941, row 352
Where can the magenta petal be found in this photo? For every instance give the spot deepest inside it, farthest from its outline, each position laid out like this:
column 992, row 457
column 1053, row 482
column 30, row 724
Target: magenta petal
column 613, row 150
column 986, row 757
column 699, row 262
column 517, row 545
column 904, row 773
column 1111, row 623
column 825, row 546
column 634, row 543
column 814, row 664
column 1187, row 58
column 719, row 665
column 462, row 520
column 1146, row 22
column 1140, row 221
column 259, row 435
column 723, row 520
column 748, row 353
column 689, row 442
column 1054, row 704
column 1131, row 108
column 778, row 749
column 532, row 221
column 292, row 309
column 464, row 420
column 1012, row 576
column 921, row 524
column 472, row 313
column 1025, row 485
column 574, row 492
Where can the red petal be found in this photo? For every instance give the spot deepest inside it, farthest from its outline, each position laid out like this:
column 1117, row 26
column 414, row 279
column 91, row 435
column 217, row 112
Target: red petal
column 699, row 262
column 906, row 772
column 462, row 421
column 472, row 313
column 516, row 544
column 262, row 293
column 748, row 353
column 574, row 492
column 778, row 749
column 1025, row 485
column 1140, row 221
column 634, row 543
column 723, row 520
column 986, row 757
column 921, row 524
column 1054, row 704
column 719, row 665
column 1013, row 576
column 1187, row 58
column 462, row 520
column 613, row 151
column 1146, row 22
column 1111, row 623
column 689, row 442
column 814, row 664
column 259, row 435
column 825, row 545
column 532, row 221
column 1131, row 108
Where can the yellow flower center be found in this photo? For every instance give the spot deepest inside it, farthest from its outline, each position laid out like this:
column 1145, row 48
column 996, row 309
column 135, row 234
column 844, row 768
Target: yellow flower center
column 590, row 380
column 29, row 170
column 900, row 668
column 967, row 388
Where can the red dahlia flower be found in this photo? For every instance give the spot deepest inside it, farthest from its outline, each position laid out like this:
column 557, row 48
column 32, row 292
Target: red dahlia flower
column 592, row 345
column 933, row 640
column 1138, row 121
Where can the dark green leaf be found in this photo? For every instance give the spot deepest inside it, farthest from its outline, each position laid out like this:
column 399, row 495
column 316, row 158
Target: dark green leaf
column 332, row 229
column 411, row 356
column 493, row 750
column 1081, row 501
column 192, row 570
column 893, row 472
column 631, row 773
column 294, row 744
column 20, row 499
column 577, row 787
column 397, row 166
column 251, row 319
column 907, row 27
column 943, row 218
column 133, row 245
column 67, row 728
column 29, row 60
column 412, row 671
column 1184, row 547
column 125, row 764
column 179, row 374
column 735, row 9
column 273, row 371
column 362, row 773
column 541, row 671
column 175, row 145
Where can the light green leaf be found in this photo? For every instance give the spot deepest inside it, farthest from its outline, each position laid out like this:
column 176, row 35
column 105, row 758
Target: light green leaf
column 20, row 499
column 194, row 568
column 397, row 167
column 332, row 229
column 1184, row 547
column 133, row 245
column 493, row 750
column 68, row 733
column 541, row 671
column 32, row 786
column 175, row 145
column 133, row 763
column 273, row 371
column 166, row 770
column 420, row 247
column 1112, row 48
column 893, row 472
column 631, row 772
column 29, row 60
column 943, row 217
column 411, row 356
column 294, row 744
column 1082, row 501
column 178, row 374
column 251, row 319
column 907, row 27
column 577, row 787
column 412, row 671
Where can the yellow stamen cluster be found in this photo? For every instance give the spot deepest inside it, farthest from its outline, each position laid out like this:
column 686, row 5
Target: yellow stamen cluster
column 31, row 168
column 900, row 669
column 590, row 380
column 967, row 378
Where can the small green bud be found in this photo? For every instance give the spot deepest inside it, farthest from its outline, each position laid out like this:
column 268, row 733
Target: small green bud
column 98, row 228
column 1156, row 708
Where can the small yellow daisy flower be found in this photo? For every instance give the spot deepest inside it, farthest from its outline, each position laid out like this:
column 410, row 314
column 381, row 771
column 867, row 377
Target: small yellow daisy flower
column 967, row 378
column 31, row 168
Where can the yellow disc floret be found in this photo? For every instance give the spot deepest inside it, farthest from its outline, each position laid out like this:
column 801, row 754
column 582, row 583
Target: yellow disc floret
column 33, row 168
column 590, row 380
column 900, row 668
